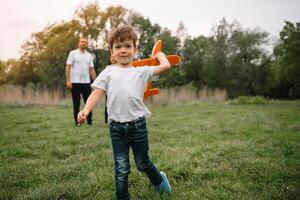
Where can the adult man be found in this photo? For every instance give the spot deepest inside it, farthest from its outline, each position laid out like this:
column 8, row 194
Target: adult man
column 79, row 71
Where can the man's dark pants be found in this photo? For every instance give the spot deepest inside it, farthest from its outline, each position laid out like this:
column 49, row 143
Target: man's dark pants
column 78, row 89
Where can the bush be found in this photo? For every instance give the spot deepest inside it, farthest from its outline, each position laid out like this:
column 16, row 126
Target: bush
column 242, row 100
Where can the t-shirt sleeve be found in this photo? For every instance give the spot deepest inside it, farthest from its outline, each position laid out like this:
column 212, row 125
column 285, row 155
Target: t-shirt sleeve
column 101, row 81
column 70, row 58
column 147, row 73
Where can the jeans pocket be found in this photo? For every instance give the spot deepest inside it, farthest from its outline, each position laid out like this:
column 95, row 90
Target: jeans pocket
column 112, row 126
column 141, row 124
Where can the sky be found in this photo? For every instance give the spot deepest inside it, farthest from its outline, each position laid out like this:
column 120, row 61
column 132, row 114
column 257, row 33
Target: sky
column 20, row 18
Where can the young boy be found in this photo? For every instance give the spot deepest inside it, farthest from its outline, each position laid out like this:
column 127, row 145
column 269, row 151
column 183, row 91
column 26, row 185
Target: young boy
column 124, row 86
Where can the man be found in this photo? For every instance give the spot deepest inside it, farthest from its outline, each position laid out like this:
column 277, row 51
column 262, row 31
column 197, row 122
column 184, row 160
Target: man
column 79, row 71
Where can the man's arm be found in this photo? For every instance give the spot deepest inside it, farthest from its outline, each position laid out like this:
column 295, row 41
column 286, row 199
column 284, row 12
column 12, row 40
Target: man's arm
column 164, row 63
column 68, row 79
column 93, row 73
column 91, row 102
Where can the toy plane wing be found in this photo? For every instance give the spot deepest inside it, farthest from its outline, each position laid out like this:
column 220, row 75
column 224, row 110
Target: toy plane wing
column 173, row 59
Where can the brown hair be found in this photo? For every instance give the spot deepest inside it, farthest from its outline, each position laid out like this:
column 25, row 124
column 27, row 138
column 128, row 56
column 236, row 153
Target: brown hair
column 122, row 33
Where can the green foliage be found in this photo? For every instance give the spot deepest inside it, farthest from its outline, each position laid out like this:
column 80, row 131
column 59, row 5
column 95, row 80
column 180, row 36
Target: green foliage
column 193, row 55
column 52, row 60
column 4, row 65
column 102, row 59
column 116, row 16
column 209, row 151
column 232, row 59
column 286, row 66
column 148, row 34
column 236, row 61
column 242, row 100
column 91, row 19
column 171, row 45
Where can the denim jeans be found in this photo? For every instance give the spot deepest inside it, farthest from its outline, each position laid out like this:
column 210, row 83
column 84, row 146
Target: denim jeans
column 123, row 136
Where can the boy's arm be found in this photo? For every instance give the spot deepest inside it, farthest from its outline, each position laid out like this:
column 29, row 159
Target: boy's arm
column 91, row 102
column 164, row 63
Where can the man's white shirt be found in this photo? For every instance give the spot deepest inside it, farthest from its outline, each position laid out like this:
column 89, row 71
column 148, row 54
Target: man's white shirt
column 80, row 62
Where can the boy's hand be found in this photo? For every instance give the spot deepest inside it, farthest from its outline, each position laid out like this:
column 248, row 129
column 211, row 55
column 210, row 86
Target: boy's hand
column 82, row 115
column 159, row 55
column 164, row 63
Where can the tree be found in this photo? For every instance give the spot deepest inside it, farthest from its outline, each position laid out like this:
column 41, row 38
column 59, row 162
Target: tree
column 148, row 34
column 249, row 63
column 194, row 51
column 3, row 72
column 44, row 56
column 52, row 61
column 171, row 45
column 236, row 60
column 181, row 33
column 286, row 67
column 216, row 60
column 91, row 19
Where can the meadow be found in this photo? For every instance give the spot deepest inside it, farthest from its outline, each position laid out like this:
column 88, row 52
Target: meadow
column 208, row 150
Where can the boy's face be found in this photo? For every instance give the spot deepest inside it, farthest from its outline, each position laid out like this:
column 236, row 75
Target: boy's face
column 123, row 52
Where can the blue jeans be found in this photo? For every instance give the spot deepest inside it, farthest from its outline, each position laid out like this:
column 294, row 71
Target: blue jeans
column 123, row 136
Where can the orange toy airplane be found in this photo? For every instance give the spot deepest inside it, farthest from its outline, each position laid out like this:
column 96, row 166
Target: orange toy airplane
column 173, row 59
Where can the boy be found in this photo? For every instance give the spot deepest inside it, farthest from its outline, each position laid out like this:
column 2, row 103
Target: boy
column 124, row 86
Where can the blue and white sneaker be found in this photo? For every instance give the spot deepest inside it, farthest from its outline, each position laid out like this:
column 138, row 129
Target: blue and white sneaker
column 165, row 185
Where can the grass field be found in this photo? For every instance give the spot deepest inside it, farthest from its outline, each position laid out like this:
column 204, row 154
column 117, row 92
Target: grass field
column 209, row 151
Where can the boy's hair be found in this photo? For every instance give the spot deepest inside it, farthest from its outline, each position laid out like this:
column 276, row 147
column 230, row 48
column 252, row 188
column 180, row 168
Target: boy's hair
column 122, row 33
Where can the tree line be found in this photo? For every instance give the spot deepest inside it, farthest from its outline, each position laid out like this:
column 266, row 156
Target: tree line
column 231, row 58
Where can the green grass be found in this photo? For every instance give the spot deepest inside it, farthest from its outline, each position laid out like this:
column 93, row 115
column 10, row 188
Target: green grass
column 209, row 151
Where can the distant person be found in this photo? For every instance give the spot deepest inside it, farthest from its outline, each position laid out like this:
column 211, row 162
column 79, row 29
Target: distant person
column 124, row 86
column 79, row 71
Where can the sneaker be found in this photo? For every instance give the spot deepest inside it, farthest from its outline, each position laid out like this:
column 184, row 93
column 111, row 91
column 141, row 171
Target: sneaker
column 165, row 185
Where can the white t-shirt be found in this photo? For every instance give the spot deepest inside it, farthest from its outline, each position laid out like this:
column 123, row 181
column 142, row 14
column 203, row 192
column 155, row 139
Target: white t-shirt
column 125, row 91
column 80, row 62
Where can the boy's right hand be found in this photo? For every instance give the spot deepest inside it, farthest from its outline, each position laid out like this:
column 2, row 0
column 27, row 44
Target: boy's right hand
column 82, row 115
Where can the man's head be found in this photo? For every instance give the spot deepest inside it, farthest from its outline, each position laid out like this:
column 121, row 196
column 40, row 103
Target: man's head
column 83, row 42
column 122, row 43
column 112, row 59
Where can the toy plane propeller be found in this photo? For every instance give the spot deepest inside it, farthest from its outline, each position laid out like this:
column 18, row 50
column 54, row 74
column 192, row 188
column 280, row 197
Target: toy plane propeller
column 173, row 59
